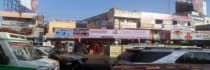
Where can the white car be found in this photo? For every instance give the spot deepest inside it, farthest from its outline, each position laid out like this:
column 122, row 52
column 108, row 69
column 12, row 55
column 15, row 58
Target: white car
column 43, row 50
column 161, row 58
column 15, row 50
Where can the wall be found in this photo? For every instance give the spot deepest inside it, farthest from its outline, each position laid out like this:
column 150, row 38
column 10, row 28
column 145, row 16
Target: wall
column 60, row 24
column 17, row 15
column 126, row 14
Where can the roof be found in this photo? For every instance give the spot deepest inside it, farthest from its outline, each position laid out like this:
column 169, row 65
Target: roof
column 17, row 14
column 11, row 36
column 170, row 49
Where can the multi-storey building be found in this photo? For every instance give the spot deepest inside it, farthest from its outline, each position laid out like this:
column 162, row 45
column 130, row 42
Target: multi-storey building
column 29, row 24
column 123, row 19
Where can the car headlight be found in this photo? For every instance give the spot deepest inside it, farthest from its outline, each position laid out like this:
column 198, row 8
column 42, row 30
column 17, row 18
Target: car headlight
column 43, row 68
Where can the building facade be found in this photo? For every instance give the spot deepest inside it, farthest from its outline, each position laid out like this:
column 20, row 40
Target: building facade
column 123, row 19
column 188, row 6
column 54, row 25
column 29, row 24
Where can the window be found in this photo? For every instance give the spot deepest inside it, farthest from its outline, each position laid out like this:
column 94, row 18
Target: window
column 195, row 58
column 1, row 51
column 175, row 22
column 159, row 21
column 139, row 56
column 188, row 24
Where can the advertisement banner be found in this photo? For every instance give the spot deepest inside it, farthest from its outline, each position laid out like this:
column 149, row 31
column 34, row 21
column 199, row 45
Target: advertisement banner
column 123, row 34
column 190, row 35
column 64, row 33
column 201, row 35
column 198, row 6
column 98, row 33
column 29, row 5
column 181, row 35
column 133, row 34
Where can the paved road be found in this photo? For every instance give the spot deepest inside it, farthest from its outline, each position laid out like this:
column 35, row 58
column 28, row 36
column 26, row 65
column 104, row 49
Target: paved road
column 96, row 62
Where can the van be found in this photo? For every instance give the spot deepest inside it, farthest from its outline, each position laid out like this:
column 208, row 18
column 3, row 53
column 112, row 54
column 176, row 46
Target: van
column 15, row 50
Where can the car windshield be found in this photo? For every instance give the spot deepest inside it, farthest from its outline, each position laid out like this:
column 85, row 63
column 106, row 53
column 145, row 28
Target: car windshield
column 142, row 56
column 26, row 53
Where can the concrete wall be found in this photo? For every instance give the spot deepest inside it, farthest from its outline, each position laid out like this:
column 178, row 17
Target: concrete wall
column 60, row 24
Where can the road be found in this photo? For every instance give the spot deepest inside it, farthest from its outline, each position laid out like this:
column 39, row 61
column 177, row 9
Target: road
column 96, row 62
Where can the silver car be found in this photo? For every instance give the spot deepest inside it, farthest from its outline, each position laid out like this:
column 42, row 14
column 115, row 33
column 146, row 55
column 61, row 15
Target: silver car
column 164, row 56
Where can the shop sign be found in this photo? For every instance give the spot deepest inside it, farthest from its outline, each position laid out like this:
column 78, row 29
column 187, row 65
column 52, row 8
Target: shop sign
column 181, row 18
column 190, row 35
column 64, row 33
column 141, row 34
column 201, row 35
column 181, row 35
column 99, row 33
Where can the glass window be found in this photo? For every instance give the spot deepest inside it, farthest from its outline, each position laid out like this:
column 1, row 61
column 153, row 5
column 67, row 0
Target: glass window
column 175, row 22
column 139, row 56
column 1, row 51
column 195, row 58
column 159, row 21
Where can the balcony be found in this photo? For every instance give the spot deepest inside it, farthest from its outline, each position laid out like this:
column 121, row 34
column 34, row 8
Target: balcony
column 15, row 23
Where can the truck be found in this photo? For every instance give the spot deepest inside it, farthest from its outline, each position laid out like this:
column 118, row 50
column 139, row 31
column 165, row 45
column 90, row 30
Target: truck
column 16, row 50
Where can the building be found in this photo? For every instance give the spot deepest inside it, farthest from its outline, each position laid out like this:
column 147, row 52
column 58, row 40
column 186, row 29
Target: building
column 55, row 25
column 205, row 27
column 29, row 24
column 188, row 6
column 124, row 19
column 195, row 9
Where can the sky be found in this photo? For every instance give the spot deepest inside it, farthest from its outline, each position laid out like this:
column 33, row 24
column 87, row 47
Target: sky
column 81, row 9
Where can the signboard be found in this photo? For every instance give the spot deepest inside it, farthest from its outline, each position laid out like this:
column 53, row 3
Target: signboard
column 201, row 35
column 98, row 33
column 181, row 18
column 30, row 5
column 190, row 35
column 198, row 6
column 64, row 33
column 127, row 34
column 181, row 35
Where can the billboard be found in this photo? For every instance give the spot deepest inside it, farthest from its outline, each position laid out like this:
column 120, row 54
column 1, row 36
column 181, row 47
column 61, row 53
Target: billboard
column 190, row 35
column 122, row 34
column 198, row 6
column 184, row 6
column 64, row 33
column 29, row 5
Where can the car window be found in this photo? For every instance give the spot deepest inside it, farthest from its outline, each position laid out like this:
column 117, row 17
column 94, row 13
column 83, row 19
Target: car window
column 194, row 58
column 139, row 56
column 1, row 51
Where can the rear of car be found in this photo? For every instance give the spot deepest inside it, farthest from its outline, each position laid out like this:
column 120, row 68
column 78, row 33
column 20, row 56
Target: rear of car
column 163, row 59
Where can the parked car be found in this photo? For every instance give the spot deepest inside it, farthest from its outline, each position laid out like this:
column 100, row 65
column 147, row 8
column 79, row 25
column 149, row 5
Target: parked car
column 71, row 61
column 163, row 59
column 16, row 50
column 43, row 50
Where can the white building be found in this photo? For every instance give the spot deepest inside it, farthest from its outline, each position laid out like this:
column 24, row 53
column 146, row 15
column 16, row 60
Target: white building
column 124, row 19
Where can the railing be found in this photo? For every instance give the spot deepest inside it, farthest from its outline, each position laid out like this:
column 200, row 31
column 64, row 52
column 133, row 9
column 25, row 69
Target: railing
column 14, row 23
